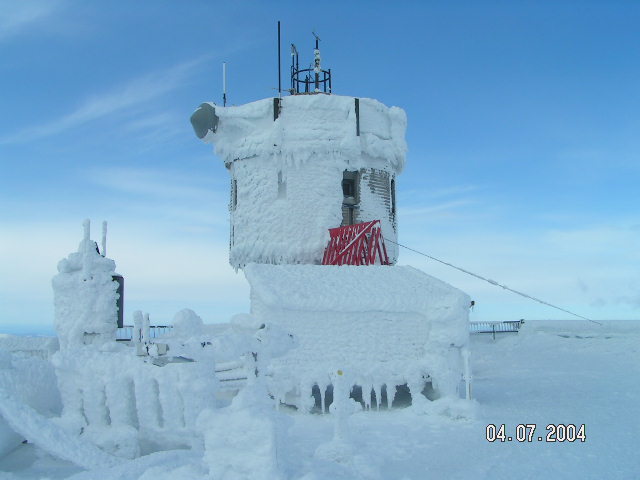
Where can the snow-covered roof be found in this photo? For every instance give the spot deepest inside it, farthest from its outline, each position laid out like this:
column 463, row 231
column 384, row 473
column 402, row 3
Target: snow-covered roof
column 311, row 127
column 350, row 288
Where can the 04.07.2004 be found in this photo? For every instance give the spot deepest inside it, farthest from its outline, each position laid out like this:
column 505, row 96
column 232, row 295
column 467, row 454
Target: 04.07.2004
column 526, row 432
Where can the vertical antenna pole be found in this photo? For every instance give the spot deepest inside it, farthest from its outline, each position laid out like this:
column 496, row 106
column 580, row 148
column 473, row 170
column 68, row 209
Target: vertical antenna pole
column 224, row 84
column 279, row 74
column 104, row 238
column 316, row 67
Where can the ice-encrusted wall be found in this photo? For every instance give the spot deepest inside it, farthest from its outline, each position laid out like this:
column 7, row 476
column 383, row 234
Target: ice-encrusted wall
column 384, row 325
column 286, row 160
column 127, row 404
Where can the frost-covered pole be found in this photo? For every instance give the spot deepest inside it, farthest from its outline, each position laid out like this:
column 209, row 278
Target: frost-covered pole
column 467, row 372
column 340, row 406
column 145, row 329
column 224, row 84
column 104, row 238
column 279, row 67
column 316, row 63
column 86, row 225
column 137, row 326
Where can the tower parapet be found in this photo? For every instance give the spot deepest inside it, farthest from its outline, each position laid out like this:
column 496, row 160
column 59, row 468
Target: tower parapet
column 302, row 164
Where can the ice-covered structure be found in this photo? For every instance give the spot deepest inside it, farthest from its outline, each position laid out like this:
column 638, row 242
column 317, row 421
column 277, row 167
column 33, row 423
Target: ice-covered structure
column 85, row 296
column 384, row 326
column 125, row 398
column 301, row 165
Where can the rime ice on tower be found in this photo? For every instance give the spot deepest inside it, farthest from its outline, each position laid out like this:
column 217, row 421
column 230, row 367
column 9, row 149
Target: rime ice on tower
column 299, row 166
column 302, row 164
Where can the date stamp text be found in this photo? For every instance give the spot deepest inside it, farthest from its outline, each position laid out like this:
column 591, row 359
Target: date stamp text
column 526, row 432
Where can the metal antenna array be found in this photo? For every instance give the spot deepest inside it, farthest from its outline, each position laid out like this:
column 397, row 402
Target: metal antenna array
column 319, row 82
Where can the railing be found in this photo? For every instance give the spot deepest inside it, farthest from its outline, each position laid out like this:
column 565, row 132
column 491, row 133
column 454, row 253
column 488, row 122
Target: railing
column 125, row 333
column 312, row 82
column 496, row 327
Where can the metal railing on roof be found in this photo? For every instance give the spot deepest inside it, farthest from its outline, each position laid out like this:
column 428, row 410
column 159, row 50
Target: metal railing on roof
column 496, row 327
column 125, row 333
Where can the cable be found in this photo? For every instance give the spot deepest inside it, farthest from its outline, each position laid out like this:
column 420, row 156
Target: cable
column 493, row 282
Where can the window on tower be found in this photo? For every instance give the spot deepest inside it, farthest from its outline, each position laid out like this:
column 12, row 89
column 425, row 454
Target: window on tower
column 234, row 193
column 350, row 198
column 348, row 187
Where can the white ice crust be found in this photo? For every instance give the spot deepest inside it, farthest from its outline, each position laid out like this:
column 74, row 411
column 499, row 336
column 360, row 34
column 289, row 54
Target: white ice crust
column 85, row 296
column 381, row 324
column 288, row 172
column 312, row 127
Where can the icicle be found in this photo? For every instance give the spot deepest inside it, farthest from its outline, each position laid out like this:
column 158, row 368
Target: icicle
column 372, row 390
column 378, row 389
column 366, row 396
column 386, row 395
column 391, row 393
column 322, row 389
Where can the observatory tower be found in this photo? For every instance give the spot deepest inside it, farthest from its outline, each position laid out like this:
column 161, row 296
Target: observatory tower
column 304, row 163
column 304, row 167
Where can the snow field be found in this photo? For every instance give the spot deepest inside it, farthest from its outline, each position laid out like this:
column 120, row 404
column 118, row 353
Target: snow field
column 572, row 372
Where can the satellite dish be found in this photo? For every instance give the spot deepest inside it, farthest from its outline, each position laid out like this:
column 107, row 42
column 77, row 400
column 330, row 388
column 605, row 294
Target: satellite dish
column 204, row 119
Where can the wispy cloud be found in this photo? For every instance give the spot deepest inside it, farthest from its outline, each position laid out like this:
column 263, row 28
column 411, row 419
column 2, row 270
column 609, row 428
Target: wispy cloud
column 17, row 17
column 190, row 271
column 454, row 190
column 136, row 92
column 440, row 208
column 190, row 203
column 443, row 202
column 153, row 183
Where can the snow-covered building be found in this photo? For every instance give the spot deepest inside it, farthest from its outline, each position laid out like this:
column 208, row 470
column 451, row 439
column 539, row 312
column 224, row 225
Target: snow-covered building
column 301, row 165
column 385, row 326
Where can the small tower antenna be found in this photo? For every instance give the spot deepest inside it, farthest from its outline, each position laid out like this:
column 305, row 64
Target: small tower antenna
column 224, row 84
column 279, row 69
column 316, row 63
column 315, row 80
column 104, row 238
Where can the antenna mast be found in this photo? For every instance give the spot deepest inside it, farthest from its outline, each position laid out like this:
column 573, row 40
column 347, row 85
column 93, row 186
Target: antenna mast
column 315, row 80
column 224, row 84
column 316, row 63
column 279, row 69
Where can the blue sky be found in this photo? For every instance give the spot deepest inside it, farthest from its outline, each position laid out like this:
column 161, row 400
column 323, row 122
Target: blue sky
column 523, row 142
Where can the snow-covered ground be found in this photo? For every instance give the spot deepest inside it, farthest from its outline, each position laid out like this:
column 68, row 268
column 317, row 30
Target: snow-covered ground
column 550, row 373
